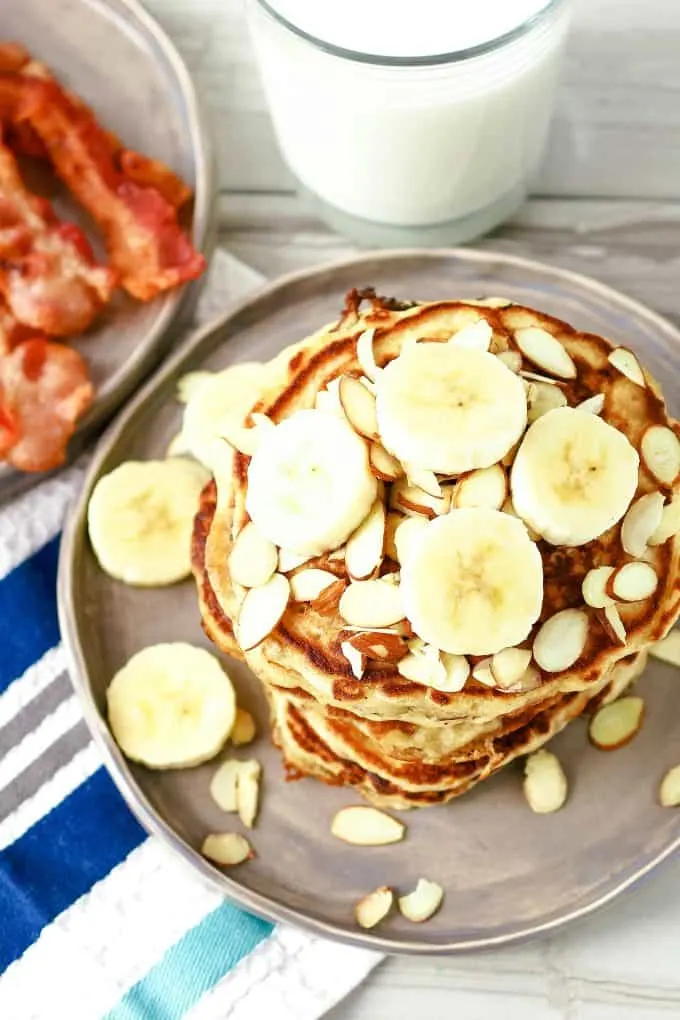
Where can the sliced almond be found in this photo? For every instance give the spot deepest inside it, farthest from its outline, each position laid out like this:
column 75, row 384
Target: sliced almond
column 248, row 792
column 244, row 728
column 610, row 618
column 307, row 584
column 358, row 403
column 227, row 848
column 413, row 500
column 542, row 398
column 634, row 582
column 627, row 364
column 456, row 673
column 337, row 554
column 243, row 440
column 593, row 405
column 364, row 551
column 667, row 649
column 541, row 348
column 544, row 380
column 561, row 640
column 545, row 784
column 383, row 465
column 660, row 449
column 529, row 681
column 477, row 336
column 356, row 659
column 406, row 535
column 289, row 560
column 374, row 908
column 670, row 523
column 365, row 355
column 261, row 610
column 616, row 724
column 642, row 519
column 594, row 587
column 425, row 665
column 329, row 599
column 366, row 826
column 481, row 671
column 384, row 645
column 224, row 783
column 328, row 399
column 511, row 360
column 392, row 522
column 486, row 487
column 372, row 604
column 421, row 669
column 253, row 558
column 423, row 902
column 425, row 480
column 260, row 420
column 669, row 790
column 509, row 666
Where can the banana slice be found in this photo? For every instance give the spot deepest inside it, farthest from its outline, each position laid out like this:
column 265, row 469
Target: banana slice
column 573, row 477
column 171, row 706
column 140, row 519
column 449, row 409
column 473, row 582
column 218, row 405
column 309, row 483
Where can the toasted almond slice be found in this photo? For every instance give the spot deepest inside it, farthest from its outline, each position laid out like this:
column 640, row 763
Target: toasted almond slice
column 355, row 658
column 365, row 355
column 253, row 558
column 511, row 360
column 425, row 480
column 670, row 523
column 530, row 681
column 289, row 560
column 561, row 640
column 545, row 784
column 634, row 581
column 660, row 450
column 329, row 599
column 308, row 584
column 542, row 398
column 261, row 610
column 227, row 848
column 667, row 649
column 383, row 465
column 372, row 604
column 406, row 534
column 486, row 487
column 364, row 550
column 423, row 902
column 244, row 728
column 328, row 399
column 642, row 519
column 188, row 385
column 421, row 669
column 669, row 790
column 387, row 646
column 544, row 380
column 224, row 783
column 411, row 499
column 509, row 666
column 616, row 724
column 374, row 908
column 593, row 405
column 594, row 587
column 610, row 618
column 544, row 350
column 368, row 383
column 477, row 336
column 457, row 671
column 482, row 672
column 366, row 826
column 359, row 407
column 628, row 365
column 248, row 792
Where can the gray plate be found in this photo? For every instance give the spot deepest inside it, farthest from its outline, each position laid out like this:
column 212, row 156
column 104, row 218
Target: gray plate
column 118, row 59
column 508, row 873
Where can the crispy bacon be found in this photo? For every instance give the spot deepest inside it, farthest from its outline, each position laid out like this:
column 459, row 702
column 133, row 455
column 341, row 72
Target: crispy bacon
column 12, row 332
column 44, row 390
column 151, row 173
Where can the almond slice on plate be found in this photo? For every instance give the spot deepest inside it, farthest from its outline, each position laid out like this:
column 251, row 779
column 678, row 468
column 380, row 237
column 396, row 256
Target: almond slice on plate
column 413, row 500
column 244, row 728
column 594, row 587
column 509, row 666
column 356, row 659
column 289, row 560
column 627, row 364
column 383, row 465
column 477, row 336
column 616, row 724
column 261, row 610
column 593, row 405
column 227, row 848
column 660, row 450
column 610, row 618
column 423, row 902
column 545, row 784
column 561, row 640
column 642, row 519
column 358, row 403
column 374, row 908
column 372, row 604
column 541, row 348
column 224, row 783
column 361, row 825
column 669, row 790
column 543, row 397
column 486, row 487
column 670, row 523
column 248, row 791
column 481, row 671
column 364, row 551
column 329, row 599
column 425, row 480
column 634, row 582
column 419, row 668
column 307, row 584
column 511, row 360
column 667, row 649
column 406, row 534
column 384, row 645
column 543, row 380
column 365, row 354
column 253, row 558
column 456, row 673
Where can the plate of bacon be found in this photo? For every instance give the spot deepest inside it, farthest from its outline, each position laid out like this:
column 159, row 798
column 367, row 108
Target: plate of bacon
column 105, row 199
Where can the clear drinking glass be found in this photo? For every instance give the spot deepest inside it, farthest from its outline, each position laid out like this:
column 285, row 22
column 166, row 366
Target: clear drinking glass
column 427, row 148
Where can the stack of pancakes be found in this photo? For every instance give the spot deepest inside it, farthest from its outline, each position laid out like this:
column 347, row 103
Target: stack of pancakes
column 398, row 741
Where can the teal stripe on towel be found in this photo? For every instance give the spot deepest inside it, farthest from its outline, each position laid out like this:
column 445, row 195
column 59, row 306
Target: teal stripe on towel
column 192, row 966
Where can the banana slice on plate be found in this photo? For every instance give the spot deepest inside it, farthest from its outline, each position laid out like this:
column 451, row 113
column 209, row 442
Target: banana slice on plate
column 171, row 706
column 218, row 405
column 310, row 484
column 573, row 477
column 449, row 409
column 140, row 519
column 473, row 582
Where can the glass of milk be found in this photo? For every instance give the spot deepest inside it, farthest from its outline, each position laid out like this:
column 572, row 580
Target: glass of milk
column 411, row 121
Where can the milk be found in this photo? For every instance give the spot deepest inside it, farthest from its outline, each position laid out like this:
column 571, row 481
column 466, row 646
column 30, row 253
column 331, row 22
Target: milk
column 411, row 131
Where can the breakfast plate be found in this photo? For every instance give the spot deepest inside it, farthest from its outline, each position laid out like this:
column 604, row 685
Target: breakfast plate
column 508, row 873
column 142, row 93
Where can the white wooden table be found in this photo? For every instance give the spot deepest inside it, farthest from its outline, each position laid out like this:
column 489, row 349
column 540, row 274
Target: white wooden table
column 608, row 204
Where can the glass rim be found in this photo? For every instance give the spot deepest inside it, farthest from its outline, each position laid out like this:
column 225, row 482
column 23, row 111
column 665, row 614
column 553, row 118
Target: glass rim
column 428, row 60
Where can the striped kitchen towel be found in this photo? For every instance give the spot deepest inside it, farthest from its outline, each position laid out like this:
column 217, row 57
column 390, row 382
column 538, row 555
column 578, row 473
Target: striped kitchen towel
column 96, row 918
